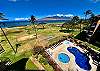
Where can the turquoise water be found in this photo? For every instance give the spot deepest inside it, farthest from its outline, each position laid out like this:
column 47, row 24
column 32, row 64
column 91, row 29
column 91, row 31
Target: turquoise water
column 67, row 42
column 64, row 58
column 81, row 59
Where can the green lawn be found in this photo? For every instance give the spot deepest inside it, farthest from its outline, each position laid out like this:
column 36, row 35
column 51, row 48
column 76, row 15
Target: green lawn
column 13, row 36
column 45, row 64
column 30, row 65
column 25, row 50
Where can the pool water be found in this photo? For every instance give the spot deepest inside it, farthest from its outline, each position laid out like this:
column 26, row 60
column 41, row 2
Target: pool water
column 81, row 59
column 64, row 58
column 67, row 42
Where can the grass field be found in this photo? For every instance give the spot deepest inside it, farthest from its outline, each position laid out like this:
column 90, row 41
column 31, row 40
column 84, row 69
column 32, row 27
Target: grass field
column 25, row 36
column 21, row 35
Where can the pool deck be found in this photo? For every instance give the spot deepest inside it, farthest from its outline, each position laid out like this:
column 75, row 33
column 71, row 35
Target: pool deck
column 71, row 65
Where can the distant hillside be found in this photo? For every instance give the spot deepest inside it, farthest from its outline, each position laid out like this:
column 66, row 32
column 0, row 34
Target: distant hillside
column 56, row 18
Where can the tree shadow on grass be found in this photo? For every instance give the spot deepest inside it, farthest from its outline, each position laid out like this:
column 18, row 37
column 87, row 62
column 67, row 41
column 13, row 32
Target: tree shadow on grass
column 18, row 66
column 98, row 68
column 81, row 36
column 66, row 31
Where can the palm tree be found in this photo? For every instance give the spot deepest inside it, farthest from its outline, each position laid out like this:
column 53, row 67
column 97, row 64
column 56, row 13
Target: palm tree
column 88, row 12
column 17, row 45
column 93, row 18
column 33, row 21
column 1, row 15
column 80, row 22
column 74, row 21
column 2, row 18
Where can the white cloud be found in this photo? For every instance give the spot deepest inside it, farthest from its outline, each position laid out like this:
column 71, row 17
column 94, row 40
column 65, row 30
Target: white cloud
column 21, row 18
column 59, row 15
column 95, row 1
column 69, row 15
column 66, row 15
column 12, row 0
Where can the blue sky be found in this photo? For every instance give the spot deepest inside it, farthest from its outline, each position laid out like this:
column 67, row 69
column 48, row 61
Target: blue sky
column 40, row 8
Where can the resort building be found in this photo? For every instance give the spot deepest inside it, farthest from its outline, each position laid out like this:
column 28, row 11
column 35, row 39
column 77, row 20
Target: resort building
column 92, row 32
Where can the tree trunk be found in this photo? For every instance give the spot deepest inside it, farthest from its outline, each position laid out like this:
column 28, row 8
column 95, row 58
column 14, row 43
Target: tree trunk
column 80, row 27
column 7, row 39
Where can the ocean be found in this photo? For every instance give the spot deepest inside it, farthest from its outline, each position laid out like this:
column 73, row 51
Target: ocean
column 9, row 24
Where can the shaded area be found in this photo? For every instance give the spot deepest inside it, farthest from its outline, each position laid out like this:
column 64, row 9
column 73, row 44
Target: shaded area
column 64, row 58
column 18, row 66
column 66, row 31
column 81, row 36
column 4, row 63
column 90, row 34
column 30, row 65
column 82, row 60
column 96, row 57
column 98, row 68
column 1, row 49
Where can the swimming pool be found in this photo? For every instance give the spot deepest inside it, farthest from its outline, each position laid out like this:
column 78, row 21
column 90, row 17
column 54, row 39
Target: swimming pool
column 67, row 42
column 64, row 58
column 81, row 59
